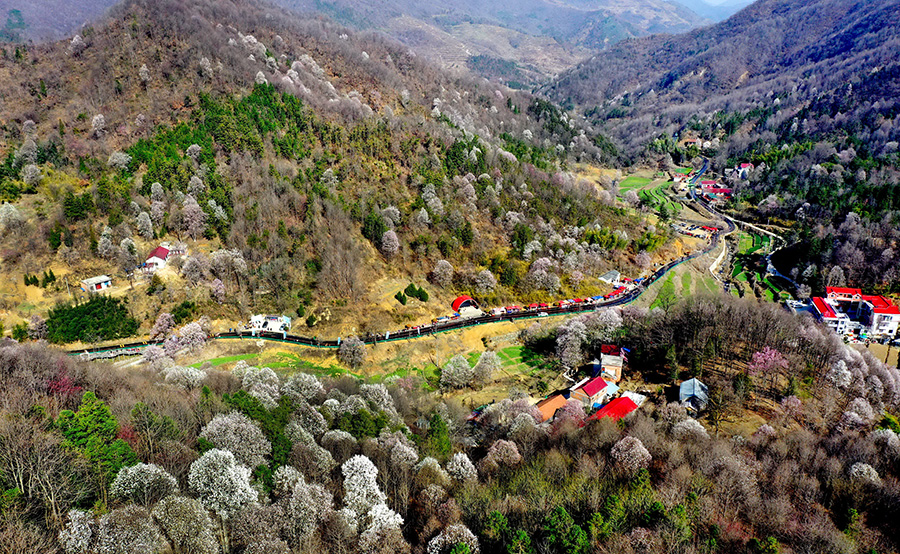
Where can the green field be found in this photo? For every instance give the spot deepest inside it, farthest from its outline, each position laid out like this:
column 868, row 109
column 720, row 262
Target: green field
column 666, row 296
column 632, row 182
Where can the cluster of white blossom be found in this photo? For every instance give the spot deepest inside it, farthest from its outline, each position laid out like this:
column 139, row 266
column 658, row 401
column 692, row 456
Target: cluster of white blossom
column 239, row 435
column 143, row 484
column 222, row 484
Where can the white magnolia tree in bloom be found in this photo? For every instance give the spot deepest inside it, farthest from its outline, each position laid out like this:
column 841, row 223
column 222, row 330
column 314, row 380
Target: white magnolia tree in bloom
column 118, row 160
column 630, row 455
column 187, row 524
column 485, row 282
column 361, row 490
column 461, row 468
column 185, row 377
column 308, row 507
column 222, row 484
column 239, row 435
column 261, row 383
column 390, row 244
column 128, row 530
column 98, row 125
column 452, row 535
column 143, row 484
column 303, row 387
column 384, row 527
column 487, row 364
column 442, row 274
column 352, row 352
column 457, row 373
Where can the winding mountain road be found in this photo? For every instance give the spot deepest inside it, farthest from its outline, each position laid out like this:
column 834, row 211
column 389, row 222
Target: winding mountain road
column 133, row 348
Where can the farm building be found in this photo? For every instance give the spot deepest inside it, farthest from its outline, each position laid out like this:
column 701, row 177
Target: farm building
column 693, row 395
column 548, row 406
column 96, row 284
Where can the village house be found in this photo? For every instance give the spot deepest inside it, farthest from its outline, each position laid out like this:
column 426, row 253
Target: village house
column 594, row 392
column 548, row 406
column 849, row 311
column 157, row 259
column 611, row 277
column 96, row 284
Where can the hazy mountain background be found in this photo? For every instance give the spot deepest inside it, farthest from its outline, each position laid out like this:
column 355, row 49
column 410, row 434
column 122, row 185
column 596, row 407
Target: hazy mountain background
column 518, row 42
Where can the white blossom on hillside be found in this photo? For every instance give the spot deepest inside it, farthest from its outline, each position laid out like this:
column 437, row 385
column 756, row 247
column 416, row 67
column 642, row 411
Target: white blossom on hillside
column 864, row 473
column 461, row 468
column 442, row 274
column 185, row 377
column 187, row 525
column 118, row 160
column 143, row 484
column 77, row 45
column 261, row 78
column 98, row 126
column 457, row 373
column 361, row 490
column 221, row 483
column 303, row 387
column 487, row 364
column 239, row 435
column 383, row 527
column 144, row 225
column 76, row 536
column 630, row 455
column 352, row 352
column 10, row 217
column 144, row 75
column 308, row 507
column 390, row 244
column 452, row 535
column 485, row 282
column 261, row 383
column 128, row 530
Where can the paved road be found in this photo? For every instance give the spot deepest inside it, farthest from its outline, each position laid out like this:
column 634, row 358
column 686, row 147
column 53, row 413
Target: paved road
column 430, row 329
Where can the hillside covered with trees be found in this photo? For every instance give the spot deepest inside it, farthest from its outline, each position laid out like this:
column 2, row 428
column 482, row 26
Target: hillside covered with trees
column 302, row 163
column 805, row 91
column 181, row 459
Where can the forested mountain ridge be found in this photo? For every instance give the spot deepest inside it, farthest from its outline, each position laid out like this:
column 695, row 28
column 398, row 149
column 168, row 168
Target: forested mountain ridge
column 335, row 165
column 805, row 91
column 769, row 39
column 519, row 42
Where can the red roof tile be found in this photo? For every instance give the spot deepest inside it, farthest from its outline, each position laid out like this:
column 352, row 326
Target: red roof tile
column 823, row 307
column 881, row 305
column 617, row 409
column 159, row 252
column 842, row 290
column 594, row 386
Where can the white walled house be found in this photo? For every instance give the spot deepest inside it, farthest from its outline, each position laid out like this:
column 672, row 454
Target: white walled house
column 157, row 259
column 96, row 284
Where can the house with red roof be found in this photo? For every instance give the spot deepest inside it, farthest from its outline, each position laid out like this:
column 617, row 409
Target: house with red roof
column 847, row 309
column 880, row 315
column 827, row 311
column 594, row 391
column 157, row 259
column 843, row 293
column 616, row 409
